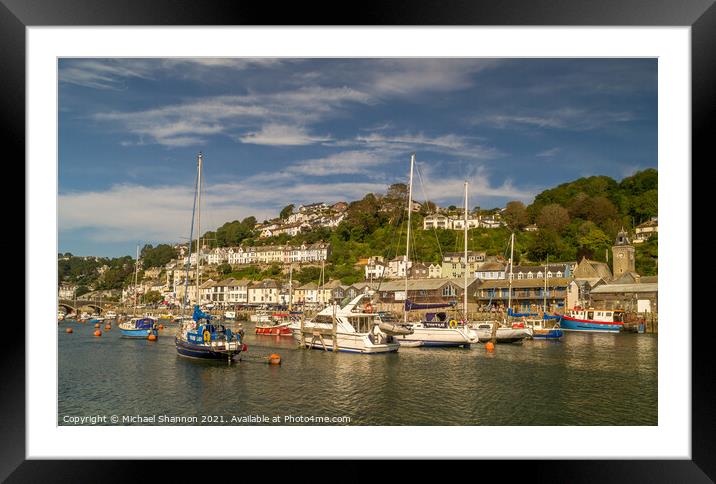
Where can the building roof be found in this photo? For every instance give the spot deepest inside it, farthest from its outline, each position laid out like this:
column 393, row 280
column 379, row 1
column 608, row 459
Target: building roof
column 332, row 284
column 622, row 288
column 491, row 266
column 521, row 283
column 590, row 269
column 266, row 283
column 423, row 284
column 649, row 279
column 308, row 285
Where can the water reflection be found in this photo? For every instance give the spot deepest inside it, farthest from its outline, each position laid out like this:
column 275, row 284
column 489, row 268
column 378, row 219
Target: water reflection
column 584, row 379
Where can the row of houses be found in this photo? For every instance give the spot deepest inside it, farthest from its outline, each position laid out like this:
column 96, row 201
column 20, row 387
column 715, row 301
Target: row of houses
column 266, row 254
column 453, row 266
column 447, row 222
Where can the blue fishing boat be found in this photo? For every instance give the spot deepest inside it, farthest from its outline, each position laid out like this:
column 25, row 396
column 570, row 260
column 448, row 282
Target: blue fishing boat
column 139, row 328
column 593, row 320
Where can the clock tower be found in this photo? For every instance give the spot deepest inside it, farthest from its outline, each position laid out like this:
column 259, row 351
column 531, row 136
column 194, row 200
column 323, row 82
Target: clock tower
column 623, row 253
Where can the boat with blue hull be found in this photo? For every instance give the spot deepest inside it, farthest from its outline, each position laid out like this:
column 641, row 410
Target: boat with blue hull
column 139, row 328
column 593, row 320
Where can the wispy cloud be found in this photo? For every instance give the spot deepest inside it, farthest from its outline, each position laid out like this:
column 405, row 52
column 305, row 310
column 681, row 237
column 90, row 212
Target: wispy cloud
column 571, row 119
column 192, row 122
column 347, row 162
column 549, row 153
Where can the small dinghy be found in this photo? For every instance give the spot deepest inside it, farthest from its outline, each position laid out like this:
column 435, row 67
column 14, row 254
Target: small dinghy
column 394, row 329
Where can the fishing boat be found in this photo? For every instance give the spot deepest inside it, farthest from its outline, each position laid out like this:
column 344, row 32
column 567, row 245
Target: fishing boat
column 279, row 324
column 431, row 332
column 593, row 320
column 139, row 328
column 356, row 330
column 199, row 337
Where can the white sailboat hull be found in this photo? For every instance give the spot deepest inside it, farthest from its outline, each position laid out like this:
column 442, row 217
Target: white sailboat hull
column 438, row 337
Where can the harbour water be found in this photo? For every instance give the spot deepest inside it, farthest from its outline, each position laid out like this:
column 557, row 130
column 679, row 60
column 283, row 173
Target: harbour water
column 584, row 379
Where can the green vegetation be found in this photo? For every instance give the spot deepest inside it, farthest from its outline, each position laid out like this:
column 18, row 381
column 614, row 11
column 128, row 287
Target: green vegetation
column 576, row 219
column 157, row 256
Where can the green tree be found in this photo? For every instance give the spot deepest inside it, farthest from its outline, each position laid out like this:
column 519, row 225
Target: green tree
column 286, row 211
column 81, row 291
column 224, row 269
column 515, row 215
column 553, row 217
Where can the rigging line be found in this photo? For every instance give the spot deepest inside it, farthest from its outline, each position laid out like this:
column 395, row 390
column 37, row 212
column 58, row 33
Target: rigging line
column 422, row 186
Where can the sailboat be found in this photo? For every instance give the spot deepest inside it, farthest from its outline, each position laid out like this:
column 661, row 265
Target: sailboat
column 199, row 337
column 503, row 332
column 138, row 327
column 436, row 333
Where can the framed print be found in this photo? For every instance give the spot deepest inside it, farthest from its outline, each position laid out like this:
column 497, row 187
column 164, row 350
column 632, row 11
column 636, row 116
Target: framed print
column 351, row 240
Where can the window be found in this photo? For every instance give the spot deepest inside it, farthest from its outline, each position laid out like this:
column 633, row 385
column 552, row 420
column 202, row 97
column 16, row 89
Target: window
column 520, row 276
column 448, row 291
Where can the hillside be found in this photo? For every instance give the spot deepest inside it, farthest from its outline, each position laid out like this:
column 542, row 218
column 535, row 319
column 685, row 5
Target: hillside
column 574, row 219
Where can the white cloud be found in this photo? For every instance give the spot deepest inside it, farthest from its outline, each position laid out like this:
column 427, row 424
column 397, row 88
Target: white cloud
column 281, row 135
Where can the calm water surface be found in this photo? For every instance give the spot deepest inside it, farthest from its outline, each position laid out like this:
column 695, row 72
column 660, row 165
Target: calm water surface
column 584, row 379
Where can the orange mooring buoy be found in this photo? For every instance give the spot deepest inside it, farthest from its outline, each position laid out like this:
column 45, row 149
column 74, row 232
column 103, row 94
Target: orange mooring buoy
column 161, row 326
column 274, row 359
column 107, row 326
column 96, row 325
column 489, row 346
column 98, row 333
column 68, row 330
column 151, row 337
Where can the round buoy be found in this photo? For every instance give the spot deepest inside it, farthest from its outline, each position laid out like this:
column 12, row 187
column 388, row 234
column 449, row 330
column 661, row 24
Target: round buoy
column 98, row 333
column 68, row 330
column 151, row 337
column 96, row 325
column 274, row 359
column 161, row 326
column 107, row 326
column 489, row 346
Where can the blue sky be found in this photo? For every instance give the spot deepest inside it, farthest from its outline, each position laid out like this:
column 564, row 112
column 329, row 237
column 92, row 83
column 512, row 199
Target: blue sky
column 280, row 131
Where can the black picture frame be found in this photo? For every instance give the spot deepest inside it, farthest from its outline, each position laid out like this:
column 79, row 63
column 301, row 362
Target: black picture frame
column 700, row 15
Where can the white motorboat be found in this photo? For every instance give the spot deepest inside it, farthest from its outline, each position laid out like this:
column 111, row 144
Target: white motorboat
column 357, row 331
column 260, row 317
column 504, row 334
column 441, row 333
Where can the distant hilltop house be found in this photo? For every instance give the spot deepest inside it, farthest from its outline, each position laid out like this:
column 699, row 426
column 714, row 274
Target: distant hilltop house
column 307, row 217
column 66, row 290
column 646, row 230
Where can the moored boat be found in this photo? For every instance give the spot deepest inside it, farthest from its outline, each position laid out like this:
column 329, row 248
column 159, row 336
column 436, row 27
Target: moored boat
column 593, row 320
column 138, row 328
column 503, row 334
column 278, row 325
column 356, row 330
column 205, row 340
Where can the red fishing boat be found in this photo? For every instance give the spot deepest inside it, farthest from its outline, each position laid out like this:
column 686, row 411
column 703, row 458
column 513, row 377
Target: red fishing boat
column 278, row 325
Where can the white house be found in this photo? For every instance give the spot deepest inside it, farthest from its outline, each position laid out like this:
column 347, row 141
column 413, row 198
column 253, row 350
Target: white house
column 434, row 271
column 398, row 266
column 263, row 292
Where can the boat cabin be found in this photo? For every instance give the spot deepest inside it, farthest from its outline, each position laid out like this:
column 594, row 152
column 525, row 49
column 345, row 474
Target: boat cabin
column 602, row 315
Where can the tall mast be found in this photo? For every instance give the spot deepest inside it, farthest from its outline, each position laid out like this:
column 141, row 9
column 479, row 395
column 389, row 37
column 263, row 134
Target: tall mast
column 198, row 228
column 512, row 254
column 290, row 287
column 136, row 272
column 465, row 233
column 544, row 301
column 407, row 245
